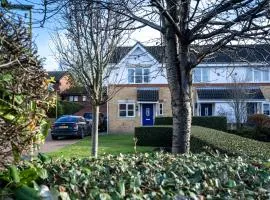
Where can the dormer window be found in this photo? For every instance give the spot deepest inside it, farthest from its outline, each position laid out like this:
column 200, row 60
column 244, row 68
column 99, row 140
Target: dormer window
column 138, row 75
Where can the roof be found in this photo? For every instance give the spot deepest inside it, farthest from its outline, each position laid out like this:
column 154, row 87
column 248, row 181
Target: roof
column 230, row 54
column 57, row 74
column 75, row 91
column 227, row 94
column 156, row 51
column 147, row 94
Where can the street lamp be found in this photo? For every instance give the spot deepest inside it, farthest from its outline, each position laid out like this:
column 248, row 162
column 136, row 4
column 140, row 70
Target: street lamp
column 23, row 7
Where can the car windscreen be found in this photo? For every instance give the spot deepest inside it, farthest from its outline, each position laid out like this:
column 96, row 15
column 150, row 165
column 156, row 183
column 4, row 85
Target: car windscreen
column 88, row 115
column 67, row 119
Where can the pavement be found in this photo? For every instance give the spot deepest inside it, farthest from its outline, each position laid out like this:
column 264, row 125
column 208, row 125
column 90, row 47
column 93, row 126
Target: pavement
column 52, row 145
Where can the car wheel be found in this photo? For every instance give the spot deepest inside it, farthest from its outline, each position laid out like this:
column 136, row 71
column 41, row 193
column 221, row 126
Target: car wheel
column 54, row 137
column 81, row 136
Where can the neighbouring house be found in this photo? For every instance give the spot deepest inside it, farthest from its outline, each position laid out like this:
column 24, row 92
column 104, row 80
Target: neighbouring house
column 68, row 91
column 143, row 94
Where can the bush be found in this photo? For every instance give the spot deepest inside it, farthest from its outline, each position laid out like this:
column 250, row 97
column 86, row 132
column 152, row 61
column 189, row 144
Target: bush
column 259, row 121
column 64, row 108
column 214, row 122
column 156, row 176
column 202, row 137
column 156, row 136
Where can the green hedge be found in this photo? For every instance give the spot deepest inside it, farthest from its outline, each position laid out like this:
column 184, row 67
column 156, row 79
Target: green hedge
column 154, row 136
column 65, row 108
column 202, row 137
column 214, row 122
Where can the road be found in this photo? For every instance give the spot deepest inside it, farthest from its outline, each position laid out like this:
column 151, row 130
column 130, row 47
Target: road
column 52, row 145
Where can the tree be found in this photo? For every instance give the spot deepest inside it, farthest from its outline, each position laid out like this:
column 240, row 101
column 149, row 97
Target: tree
column 91, row 35
column 193, row 30
column 239, row 94
column 24, row 94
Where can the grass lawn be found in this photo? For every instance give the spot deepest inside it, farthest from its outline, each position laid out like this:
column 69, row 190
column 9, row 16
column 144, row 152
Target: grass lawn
column 113, row 144
column 224, row 142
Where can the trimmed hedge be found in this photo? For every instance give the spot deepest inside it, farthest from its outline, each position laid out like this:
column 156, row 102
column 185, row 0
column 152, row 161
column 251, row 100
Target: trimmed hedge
column 65, row 108
column 204, row 137
column 214, row 122
column 154, row 136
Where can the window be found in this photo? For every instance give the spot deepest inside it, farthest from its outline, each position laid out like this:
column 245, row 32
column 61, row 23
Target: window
column 139, row 75
column 257, row 75
column 127, row 110
column 266, row 109
column 201, row 75
column 73, row 98
column 160, row 110
column 83, row 98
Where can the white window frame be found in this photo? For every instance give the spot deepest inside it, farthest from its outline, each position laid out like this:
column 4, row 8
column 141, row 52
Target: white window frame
column 143, row 75
column 261, row 75
column 84, row 98
column 268, row 107
column 160, row 109
column 202, row 70
column 127, row 104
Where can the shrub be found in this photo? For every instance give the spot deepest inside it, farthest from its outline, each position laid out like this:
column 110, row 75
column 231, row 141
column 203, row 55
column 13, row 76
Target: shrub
column 214, row 122
column 156, row 176
column 64, row 108
column 156, row 136
column 259, row 120
column 202, row 137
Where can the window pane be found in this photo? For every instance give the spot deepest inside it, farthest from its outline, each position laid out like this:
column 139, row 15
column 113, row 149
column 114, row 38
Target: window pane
column 84, row 98
column 138, row 79
column 197, row 75
column 161, row 109
column 76, row 98
column 70, row 98
column 130, row 106
column 146, row 71
column 122, row 106
column 131, row 75
column 257, row 75
column 130, row 113
column 146, row 79
column 138, row 72
column 249, row 74
column 265, row 75
column 122, row 113
column 205, row 74
column 266, row 109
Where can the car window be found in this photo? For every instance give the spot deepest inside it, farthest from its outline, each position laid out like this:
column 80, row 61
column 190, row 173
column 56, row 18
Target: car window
column 88, row 115
column 67, row 119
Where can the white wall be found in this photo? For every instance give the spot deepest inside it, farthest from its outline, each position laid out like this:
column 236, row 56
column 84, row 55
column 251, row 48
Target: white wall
column 138, row 57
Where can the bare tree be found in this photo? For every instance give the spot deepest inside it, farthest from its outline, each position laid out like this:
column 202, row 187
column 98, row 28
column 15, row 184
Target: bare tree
column 239, row 94
column 193, row 30
column 85, row 48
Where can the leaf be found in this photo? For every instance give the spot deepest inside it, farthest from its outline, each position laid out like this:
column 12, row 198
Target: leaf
column 121, row 187
column 231, row 183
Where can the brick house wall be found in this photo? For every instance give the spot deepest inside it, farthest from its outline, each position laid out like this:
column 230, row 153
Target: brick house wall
column 127, row 94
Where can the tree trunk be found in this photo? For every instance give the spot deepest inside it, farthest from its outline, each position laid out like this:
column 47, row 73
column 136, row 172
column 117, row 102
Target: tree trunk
column 180, row 83
column 95, row 130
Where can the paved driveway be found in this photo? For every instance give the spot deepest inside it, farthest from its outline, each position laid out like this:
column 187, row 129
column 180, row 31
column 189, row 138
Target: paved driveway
column 52, row 145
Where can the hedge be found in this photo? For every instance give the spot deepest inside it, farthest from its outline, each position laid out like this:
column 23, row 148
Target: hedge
column 214, row 122
column 65, row 108
column 141, row 176
column 202, row 137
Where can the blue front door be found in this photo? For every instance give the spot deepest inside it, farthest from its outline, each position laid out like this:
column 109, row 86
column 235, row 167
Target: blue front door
column 148, row 114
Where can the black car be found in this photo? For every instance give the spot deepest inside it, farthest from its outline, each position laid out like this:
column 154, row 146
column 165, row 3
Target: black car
column 70, row 126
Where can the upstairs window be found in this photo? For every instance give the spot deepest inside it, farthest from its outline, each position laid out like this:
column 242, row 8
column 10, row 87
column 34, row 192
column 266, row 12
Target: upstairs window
column 257, row 75
column 73, row 98
column 201, row 75
column 138, row 75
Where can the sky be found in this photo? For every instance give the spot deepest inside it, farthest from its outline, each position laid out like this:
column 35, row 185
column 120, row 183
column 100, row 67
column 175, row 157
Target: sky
column 42, row 36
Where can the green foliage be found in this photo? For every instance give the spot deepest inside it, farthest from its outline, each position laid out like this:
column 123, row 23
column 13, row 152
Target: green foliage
column 214, row 122
column 156, row 136
column 160, row 176
column 202, row 137
column 64, row 108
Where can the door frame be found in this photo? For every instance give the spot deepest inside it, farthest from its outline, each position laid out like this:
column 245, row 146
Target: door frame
column 154, row 110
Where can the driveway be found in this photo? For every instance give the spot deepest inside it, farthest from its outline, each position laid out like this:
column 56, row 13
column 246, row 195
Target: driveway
column 52, row 145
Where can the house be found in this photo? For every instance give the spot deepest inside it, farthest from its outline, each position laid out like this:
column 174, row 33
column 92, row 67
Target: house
column 143, row 94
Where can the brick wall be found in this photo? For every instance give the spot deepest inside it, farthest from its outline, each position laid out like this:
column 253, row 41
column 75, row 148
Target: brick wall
column 126, row 124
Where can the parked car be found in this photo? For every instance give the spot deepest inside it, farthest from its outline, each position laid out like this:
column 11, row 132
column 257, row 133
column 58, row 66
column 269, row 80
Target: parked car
column 70, row 125
column 102, row 122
